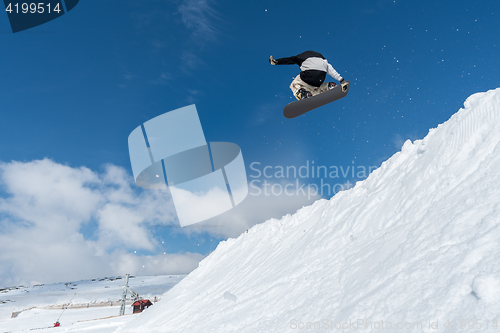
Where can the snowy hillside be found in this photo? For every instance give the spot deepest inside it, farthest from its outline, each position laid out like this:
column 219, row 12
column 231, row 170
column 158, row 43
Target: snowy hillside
column 87, row 301
column 415, row 244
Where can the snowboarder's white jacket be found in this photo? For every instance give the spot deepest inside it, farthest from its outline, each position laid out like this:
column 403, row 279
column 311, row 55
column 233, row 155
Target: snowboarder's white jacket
column 313, row 66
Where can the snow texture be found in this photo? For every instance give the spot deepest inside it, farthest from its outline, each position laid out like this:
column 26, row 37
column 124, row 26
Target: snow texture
column 417, row 242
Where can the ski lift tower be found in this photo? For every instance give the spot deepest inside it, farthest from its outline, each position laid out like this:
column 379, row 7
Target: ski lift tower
column 135, row 296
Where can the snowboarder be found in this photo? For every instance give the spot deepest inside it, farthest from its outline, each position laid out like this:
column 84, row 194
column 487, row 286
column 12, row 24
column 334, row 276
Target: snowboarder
column 311, row 80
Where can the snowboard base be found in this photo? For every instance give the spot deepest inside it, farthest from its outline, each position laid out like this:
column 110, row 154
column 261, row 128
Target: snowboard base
column 298, row 108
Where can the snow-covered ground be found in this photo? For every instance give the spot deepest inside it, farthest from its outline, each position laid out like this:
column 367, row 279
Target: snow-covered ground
column 91, row 305
column 414, row 247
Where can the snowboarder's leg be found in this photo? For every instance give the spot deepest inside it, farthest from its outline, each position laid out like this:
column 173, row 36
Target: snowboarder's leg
column 300, row 88
column 325, row 86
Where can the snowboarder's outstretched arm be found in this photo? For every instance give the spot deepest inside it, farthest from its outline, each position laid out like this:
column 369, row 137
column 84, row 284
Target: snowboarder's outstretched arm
column 333, row 73
column 284, row 61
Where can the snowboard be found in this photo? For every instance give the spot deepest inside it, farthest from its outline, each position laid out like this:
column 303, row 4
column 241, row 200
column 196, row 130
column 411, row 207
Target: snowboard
column 298, row 108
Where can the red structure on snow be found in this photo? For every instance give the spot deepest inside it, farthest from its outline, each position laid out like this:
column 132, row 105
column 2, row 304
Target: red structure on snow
column 141, row 305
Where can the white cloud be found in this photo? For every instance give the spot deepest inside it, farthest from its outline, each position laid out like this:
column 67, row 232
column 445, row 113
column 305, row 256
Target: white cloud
column 43, row 189
column 164, row 78
column 160, row 264
column 46, row 205
column 122, row 225
column 260, row 205
column 191, row 61
column 198, row 16
column 47, row 210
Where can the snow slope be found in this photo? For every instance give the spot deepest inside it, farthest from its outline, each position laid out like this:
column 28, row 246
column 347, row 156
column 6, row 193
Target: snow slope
column 92, row 305
column 415, row 244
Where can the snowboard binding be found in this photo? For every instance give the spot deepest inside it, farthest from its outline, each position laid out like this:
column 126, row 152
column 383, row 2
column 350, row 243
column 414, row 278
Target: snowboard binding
column 345, row 85
column 303, row 94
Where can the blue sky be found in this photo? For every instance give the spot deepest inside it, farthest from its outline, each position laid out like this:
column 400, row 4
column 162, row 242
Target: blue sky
column 74, row 88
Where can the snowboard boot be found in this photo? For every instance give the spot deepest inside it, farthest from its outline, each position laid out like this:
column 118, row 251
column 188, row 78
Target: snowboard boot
column 303, row 94
column 331, row 85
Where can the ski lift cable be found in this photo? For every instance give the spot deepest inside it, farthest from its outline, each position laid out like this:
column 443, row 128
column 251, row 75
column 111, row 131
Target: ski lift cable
column 64, row 309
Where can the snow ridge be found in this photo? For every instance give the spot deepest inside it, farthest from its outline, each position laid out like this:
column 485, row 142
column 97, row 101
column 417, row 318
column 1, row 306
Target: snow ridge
column 416, row 243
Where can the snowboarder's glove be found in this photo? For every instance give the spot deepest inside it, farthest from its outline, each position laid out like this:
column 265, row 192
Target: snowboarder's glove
column 344, row 85
column 272, row 61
